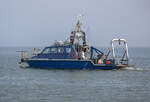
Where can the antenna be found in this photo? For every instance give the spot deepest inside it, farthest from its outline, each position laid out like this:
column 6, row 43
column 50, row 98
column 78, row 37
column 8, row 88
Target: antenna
column 79, row 23
column 80, row 17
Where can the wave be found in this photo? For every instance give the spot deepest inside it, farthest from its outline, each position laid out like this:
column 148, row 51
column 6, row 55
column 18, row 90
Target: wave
column 137, row 69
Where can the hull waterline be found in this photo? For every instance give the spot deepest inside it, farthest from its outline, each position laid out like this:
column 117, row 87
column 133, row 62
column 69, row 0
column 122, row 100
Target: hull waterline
column 68, row 64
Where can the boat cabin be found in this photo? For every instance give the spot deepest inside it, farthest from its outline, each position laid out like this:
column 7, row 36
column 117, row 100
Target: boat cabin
column 75, row 52
column 57, row 52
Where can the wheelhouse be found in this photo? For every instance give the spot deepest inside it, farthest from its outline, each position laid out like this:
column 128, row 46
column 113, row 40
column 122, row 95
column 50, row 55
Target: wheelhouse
column 57, row 52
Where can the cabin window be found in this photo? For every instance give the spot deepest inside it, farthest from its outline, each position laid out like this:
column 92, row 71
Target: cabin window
column 53, row 50
column 60, row 50
column 68, row 50
column 46, row 51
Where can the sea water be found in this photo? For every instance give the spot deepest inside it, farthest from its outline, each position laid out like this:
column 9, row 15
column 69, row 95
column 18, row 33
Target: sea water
column 43, row 85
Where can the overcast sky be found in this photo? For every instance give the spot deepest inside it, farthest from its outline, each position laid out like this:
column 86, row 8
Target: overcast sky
column 40, row 22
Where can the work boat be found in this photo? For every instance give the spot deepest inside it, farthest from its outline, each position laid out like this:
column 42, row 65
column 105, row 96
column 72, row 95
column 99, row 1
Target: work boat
column 75, row 53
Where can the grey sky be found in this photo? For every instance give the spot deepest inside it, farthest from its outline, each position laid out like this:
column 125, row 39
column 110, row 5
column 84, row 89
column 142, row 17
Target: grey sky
column 40, row 22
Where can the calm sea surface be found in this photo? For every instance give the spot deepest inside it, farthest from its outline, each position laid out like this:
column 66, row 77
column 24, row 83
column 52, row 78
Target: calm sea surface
column 39, row 85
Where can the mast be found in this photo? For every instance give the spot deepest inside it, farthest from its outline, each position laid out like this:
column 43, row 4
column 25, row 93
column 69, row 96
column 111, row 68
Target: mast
column 78, row 34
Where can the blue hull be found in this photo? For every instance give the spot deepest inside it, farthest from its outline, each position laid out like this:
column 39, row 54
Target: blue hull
column 68, row 64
